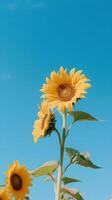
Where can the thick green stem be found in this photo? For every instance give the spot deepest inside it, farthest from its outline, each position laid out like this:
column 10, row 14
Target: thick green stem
column 60, row 167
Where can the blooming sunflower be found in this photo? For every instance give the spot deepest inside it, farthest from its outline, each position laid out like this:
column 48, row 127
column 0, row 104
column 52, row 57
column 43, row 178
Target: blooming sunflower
column 4, row 194
column 45, row 123
column 62, row 90
column 18, row 180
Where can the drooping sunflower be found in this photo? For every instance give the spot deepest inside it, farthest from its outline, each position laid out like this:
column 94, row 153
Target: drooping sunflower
column 18, row 180
column 62, row 90
column 45, row 123
column 4, row 194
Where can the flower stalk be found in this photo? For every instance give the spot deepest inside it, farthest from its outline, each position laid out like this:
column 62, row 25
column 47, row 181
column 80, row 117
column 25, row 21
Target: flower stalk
column 60, row 167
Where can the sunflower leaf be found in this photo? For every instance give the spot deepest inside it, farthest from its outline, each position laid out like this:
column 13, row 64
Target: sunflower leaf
column 46, row 169
column 80, row 158
column 72, row 192
column 86, row 162
column 82, row 116
column 67, row 180
column 72, row 153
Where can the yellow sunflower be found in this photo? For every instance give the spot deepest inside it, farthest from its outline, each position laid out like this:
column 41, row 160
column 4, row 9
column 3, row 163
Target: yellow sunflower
column 45, row 123
column 18, row 180
column 62, row 90
column 4, row 194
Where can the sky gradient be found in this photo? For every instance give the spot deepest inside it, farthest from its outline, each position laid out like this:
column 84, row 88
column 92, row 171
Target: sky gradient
column 37, row 37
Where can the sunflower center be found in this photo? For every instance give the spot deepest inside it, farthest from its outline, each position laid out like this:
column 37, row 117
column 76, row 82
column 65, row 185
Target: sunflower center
column 16, row 182
column 65, row 92
column 43, row 121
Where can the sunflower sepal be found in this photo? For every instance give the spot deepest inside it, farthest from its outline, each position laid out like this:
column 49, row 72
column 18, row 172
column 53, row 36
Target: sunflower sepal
column 52, row 123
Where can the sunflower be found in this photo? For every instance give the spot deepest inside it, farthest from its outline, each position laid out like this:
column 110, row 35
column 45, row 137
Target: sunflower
column 45, row 123
column 62, row 90
column 4, row 194
column 18, row 180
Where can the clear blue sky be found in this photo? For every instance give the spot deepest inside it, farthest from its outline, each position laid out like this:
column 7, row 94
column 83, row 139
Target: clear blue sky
column 35, row 38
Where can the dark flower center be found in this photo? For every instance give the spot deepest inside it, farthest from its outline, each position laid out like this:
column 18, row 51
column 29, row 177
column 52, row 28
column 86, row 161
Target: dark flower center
column 65, row 92
column 16, row 182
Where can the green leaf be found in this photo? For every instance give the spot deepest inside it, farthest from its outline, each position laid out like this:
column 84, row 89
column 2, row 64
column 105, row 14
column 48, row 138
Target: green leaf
column 67, row 180
column 46, row 169
column 80, row 158
column 72, row 192
column 72, row 153
column 86, row 162
column 82, row 116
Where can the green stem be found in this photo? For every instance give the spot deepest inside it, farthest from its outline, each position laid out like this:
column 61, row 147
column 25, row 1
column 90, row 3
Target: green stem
column 58, row 134
column 52, row 178
column 67, row 167
column 69, row 128
column 60, row 167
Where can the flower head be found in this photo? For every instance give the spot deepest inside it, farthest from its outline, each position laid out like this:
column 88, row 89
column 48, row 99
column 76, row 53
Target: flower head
column 18, row 180
column 63, row 90
column 4, row 194
column 45, row 123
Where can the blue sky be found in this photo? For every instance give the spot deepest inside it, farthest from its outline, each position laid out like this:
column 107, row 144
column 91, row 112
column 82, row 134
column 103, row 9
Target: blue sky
column 35, row 38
